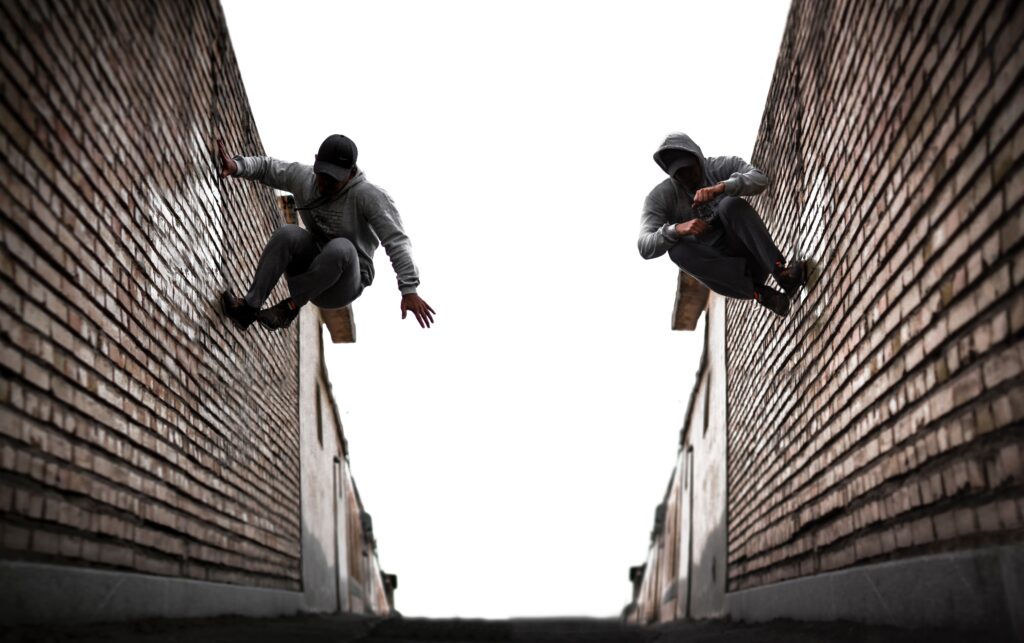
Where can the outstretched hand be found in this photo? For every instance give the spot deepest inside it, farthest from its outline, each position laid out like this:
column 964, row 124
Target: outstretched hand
column 228, row 166
column 423, row 312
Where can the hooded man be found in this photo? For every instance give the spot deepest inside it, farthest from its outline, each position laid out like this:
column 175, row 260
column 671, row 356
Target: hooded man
column 331, row 260
column 696, row 216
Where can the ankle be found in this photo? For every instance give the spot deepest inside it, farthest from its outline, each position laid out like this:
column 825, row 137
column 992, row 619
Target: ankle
column 244, row 302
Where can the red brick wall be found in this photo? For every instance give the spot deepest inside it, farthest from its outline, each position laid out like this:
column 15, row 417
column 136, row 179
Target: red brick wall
column 139, row 431
column 882, row 419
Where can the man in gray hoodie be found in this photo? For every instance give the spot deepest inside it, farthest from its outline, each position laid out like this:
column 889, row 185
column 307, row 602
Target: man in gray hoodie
column 697, row 217
column 331, row 260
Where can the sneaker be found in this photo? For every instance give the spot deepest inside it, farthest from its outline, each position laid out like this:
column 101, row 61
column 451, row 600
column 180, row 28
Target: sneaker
column 280, row 315
column 792, row 277
column 772, row 299
column 241, row 314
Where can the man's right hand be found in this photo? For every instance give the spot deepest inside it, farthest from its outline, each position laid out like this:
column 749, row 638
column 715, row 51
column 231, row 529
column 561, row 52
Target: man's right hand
column 693, row 227
column 227, row 164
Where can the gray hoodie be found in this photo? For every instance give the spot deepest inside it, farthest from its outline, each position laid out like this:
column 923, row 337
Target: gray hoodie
column 669, row 202
column 362, row 213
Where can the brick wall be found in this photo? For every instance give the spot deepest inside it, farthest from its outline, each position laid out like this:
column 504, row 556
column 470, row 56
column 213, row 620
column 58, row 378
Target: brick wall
column 892, row 423
column 138, row 430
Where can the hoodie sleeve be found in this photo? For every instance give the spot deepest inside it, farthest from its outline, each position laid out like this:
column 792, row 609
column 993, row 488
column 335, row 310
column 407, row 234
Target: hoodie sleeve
column 289, row 177
column 657, row 235
column 740, row 178
column 382, row 215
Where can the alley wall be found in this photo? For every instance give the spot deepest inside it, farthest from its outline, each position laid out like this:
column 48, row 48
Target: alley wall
column 882, row 419
column 140, row 431
column 151, row 455
column 863, row 458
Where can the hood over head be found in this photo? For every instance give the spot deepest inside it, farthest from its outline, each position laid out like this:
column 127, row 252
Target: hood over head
column 673, row 145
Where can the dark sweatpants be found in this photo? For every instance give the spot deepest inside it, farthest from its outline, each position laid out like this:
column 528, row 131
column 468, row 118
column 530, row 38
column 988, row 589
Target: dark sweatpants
column 329, row 278
column 734, row 255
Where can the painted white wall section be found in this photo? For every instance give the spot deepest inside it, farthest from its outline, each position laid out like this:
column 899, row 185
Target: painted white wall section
column 702, row 462
column 319, row 533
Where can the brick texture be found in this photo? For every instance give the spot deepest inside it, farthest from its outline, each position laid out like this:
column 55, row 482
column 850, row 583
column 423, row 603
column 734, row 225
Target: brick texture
column 138, row 430
column 893, row 426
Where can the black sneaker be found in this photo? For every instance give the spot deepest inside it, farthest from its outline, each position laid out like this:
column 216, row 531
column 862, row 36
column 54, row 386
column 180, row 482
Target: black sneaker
column 241, row 314
column 280, row 315
column 772, row 299
column 792, row 278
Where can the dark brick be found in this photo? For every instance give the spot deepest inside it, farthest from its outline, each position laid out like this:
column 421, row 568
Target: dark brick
column 115, row 354
column 911, row 334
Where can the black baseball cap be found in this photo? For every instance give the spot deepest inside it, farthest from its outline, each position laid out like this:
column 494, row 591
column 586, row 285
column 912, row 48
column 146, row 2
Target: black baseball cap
column 337, row 157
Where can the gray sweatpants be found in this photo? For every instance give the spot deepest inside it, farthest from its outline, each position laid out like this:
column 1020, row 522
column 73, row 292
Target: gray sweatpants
column 329, row 278
column 735, row 256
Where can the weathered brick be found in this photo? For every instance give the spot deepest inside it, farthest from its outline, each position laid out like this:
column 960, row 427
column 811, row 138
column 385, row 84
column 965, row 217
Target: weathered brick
column 1002, row 366
column 945, row 526
column 15, row 538
column 988, row 518
column 70, row 546
column 1009, row 466
column 904, row 535
column 118, row 364
column 911, row 334
column 46, row 543
column 1009, row 517
column 115, row 555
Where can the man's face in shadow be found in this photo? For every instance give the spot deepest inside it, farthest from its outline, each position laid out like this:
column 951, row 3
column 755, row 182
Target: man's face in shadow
column 327, row 184
column 690, row 176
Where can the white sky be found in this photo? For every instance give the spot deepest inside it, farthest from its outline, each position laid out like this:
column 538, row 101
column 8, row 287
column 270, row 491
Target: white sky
column 512, row 456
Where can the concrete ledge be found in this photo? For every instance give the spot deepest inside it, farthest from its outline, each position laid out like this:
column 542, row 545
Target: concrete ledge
column 36, row 593
column 977, row 589
column 691, row 300
column 341, row 323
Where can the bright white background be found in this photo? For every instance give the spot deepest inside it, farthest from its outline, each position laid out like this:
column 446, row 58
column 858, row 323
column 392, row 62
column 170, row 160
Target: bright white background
column 512, row 455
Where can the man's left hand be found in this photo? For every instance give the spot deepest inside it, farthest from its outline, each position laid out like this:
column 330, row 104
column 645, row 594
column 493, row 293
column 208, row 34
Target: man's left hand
column 423, row 312
column 706, row 195
column 228, row 166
